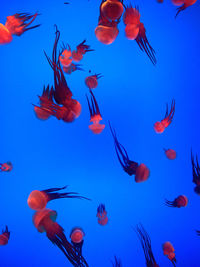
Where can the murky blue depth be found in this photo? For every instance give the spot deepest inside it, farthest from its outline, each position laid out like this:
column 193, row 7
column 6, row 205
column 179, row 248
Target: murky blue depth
column 132, row 95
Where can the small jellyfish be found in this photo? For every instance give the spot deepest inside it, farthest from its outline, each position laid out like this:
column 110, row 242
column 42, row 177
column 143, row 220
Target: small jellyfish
column 112, row 9
column 6, row 167
column 45, row 221
column 116, row 262
column 71, row 68
column 77, row 236
column 180, row 201
column 102, row 215
column 92, row 81
column 170, row 153
column 183, row 5
column 159, row 127
column 81, row 49
column 5, row 35
column 4, row 237
column 146, row 245
column 66, row 56
column 141, row 171
column 18, row 23
column 196, row 174
column 95, row 115
column 168, row 250
column 38, row 200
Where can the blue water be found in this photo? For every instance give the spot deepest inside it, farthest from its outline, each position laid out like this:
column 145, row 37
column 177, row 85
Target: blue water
column 132, row 95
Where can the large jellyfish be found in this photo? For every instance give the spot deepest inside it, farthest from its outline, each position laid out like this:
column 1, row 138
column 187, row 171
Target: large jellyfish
column 92, row 80
column 159, row 127
column 183, row 5
column 4, row 237
column 45, row 221
column 77, row 239
column 168, row 250
column 6, row 167
column 196, row 174
column 81, row 49
column 102, row 215
column 179, row 202
column 112, row 9
column 141, row 171
column 95, row 115
column 146, row 245
column 116, row 262
column 38, row 200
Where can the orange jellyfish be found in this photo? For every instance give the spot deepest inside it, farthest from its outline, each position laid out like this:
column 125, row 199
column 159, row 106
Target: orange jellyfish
column 184, row 4
column 4, row 237
column 45, row 221
column 77, row 236
column 6, row 167
column 66, row 56
column 5, row 35
column 95, row 115
column 146, row 246
column 81, row 49
column 159, row 127
column 92, row 81
column 18, row 23
column 196, row 174
column 168, row 250
column 112, row 9
column 131, row 16
column 38, row 200
column 102, row 215
column 180, row 201
column 141, row 171
column 170, row 153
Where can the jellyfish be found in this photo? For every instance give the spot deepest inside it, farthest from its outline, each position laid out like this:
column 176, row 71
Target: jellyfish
column 180, row 201
column 81, row 49
column 131, row 19
column 95, row 115
column 92, row 81
column 4, row 237
column 18, row 23
column 5, row 35
column 170, row 153
column 141, row 171
column 45, row 221
column 168, row 250
column 112, row 9
column 196, row 174
column 71, row 68
column 146, row 245
column 6, row 167
column 184, row 4
column 117, row 262
column 77, row 236
column 37, row 200
column 102, row 215
column 66, row 56
column 159, row 127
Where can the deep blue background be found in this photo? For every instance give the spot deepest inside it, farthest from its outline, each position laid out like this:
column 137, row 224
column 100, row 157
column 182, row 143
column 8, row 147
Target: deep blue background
column 132, row 95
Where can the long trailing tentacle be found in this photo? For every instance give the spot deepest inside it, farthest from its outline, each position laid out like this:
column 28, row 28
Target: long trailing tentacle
column 169, row 203
column 180, row 9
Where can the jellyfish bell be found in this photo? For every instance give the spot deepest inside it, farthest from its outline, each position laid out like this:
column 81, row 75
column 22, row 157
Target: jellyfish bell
column 170, row 154
column 159, row 127
column 131, row 31
column 103, row 221
column 5, row 35
column 91, row 82
column 96, row 127
column 106, row 34
column 77, row 56
column 76, row 107
column 77, row 235
column 4, row 237
column 131, row 16
column 112, row 9
column 37, row 200
column 181, row 201
column 43, row 219
column 142, row 173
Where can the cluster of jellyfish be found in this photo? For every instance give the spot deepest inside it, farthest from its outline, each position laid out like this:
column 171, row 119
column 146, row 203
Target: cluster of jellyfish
column 44, row 220
column 109, row 18
column 16, row 24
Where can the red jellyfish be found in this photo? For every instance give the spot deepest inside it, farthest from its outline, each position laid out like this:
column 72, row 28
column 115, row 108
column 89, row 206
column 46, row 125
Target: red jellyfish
column 5, row 35
column 131, row 19
column 95, row 115
column 18, row 23
column 38, row 200
column 146, row 245
column 66, row 56
column 102, row 215
column 71, row 68
column 92, row 80
column 81, row 49
column 141, row 171
column 45, row 221
column 77, row 236
column 180, row 201
column 4, row 237
column 183, row 5
column 168, row 250
column 6, row 167
column 170, row 153
column 159, row 127
column 196, row 174
column 112, row 9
